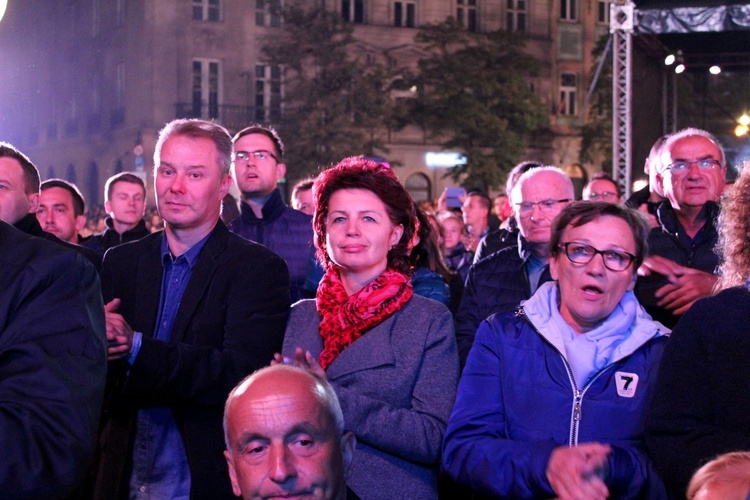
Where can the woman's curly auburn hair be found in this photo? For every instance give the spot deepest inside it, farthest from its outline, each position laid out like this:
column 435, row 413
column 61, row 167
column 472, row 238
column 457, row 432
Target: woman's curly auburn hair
column 734, row 233
column 359, row 173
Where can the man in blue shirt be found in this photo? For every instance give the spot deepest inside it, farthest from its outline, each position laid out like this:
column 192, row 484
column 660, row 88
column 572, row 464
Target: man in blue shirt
column 190, row 312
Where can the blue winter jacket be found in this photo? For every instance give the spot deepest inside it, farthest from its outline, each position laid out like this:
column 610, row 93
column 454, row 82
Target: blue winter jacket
column 517, row 400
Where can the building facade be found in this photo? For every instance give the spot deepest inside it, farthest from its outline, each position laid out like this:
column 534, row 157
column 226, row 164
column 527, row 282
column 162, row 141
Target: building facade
column 92, row 81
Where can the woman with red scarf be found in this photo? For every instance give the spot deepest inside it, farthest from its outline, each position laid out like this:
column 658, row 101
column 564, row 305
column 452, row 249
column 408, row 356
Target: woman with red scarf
column 390, row 354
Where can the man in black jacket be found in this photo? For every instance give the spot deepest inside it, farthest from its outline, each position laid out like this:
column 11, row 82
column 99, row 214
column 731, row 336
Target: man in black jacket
column 125, row 202
column 190, row 312
column 499, row 282
column 265, row 218
column 19, row 199
column 681, row 264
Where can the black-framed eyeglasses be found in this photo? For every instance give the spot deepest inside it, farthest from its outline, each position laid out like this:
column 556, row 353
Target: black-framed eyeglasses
column 581, row 253
column 260, row 155
column 546, row 206
column 682, row 167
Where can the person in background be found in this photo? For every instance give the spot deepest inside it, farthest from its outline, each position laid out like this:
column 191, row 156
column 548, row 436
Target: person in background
column 389, row 353
column 680, row 268
column 190, row 311
column 456, row 257
column 430, row 275
column 502, row 207
column 476, row 214
column 499, row 282
column 125, row 203
column 61, row 210
column 257, row 167
column 553, row 397
column 701, row 407
column 726, row 477
column 507, row 234
column 648, row 198
column 602, row 187
column 284, row 432
column 302, row 197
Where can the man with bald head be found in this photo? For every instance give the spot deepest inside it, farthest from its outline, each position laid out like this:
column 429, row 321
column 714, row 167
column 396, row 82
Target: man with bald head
column 681, row 263
column 284, row 433
column 501, row 281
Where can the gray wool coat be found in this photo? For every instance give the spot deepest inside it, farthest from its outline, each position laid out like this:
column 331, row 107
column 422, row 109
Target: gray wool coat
column 396, row 385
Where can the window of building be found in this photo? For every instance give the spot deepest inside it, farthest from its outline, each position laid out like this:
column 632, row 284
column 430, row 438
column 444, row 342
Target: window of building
column 516, row 15
column 466, row 14
column 569, row 10
column 602, row 13
column 206, row 85
column 404, row 14
column 206, row 10
column 418, row 186
column 568, row 94
column 353, row 10
column 268, row 13
column 267, row 93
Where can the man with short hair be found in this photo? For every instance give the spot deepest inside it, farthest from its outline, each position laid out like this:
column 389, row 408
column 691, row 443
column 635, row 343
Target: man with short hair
column 285, row 437
column 476, row 214
column 190, row 311
column 499, row 282
column 302, row 197
column 649, row 197
column 265, row 218
column 61, row 210
column 19, row 199
column 125, row 203
column 681, row 264
column 602, row 187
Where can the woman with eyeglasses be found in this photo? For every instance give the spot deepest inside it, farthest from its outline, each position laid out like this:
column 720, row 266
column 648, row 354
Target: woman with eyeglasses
column 553, row 397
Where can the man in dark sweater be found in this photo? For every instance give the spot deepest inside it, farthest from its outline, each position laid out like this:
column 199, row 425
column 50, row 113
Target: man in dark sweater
column 125, row 202
column 265, row 218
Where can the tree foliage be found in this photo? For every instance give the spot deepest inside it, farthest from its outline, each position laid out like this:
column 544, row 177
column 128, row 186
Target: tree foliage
column 334, row 102
column 596, row 132
column 474, row 96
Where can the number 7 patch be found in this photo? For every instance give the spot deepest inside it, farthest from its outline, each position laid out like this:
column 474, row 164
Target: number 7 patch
column 626, row 384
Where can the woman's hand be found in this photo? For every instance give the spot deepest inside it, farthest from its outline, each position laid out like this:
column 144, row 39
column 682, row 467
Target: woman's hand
column 574, row 472
column 303, row 359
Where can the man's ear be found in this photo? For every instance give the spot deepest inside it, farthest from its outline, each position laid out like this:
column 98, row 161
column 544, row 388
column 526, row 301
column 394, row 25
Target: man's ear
column 232, row 474
column 348, row 445
column 80, row 222
column 280, row 170
column 33, row 199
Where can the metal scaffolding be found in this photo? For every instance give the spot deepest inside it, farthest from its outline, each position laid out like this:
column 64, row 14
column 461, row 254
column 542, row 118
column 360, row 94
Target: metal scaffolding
column 621, row 27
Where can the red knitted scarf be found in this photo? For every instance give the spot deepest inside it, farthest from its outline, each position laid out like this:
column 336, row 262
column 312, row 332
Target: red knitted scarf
column 346, row 318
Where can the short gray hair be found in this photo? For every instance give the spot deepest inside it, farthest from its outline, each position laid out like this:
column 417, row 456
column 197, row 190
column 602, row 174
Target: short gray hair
column 516, row 192
column 196, row 129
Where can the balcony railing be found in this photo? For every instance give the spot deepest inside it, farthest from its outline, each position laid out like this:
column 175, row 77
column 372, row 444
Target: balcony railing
column 233, row 117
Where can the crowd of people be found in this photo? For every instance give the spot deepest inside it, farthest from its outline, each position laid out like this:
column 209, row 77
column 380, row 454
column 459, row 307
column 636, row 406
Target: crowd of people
column 358, row 344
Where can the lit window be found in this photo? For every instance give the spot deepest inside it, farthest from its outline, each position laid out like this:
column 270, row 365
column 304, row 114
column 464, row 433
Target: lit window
column 568, row 94
column 404, row 14
column 466, row 14
column 268, row 13
column 516, row 15
column 206, row 10
column 568, row 10
column 353, row 11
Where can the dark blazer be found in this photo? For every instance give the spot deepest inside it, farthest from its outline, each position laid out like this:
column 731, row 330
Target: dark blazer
column 52, row 366
column 229, row 323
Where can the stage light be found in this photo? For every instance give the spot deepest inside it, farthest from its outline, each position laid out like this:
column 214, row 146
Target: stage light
column 744, row 120
column 679, row 68
column 670, row 59
column 714, row 70
column 740, row 130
